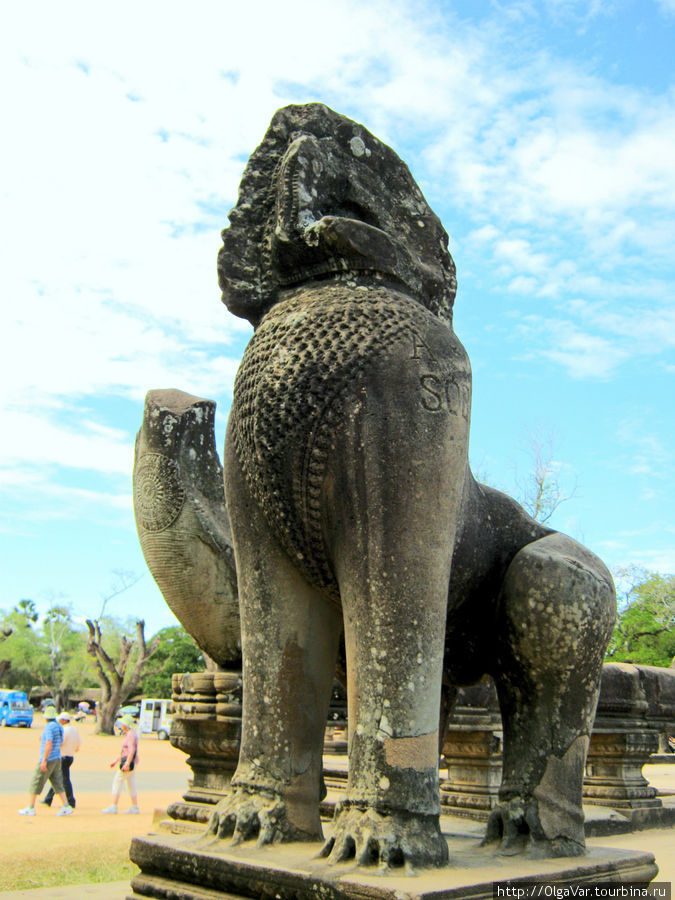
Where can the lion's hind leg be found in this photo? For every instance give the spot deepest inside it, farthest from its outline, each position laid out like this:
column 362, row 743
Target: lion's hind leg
column 557, row 611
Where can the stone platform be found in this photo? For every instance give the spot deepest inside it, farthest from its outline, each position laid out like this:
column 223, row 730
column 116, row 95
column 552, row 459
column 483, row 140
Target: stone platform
column 180, row 867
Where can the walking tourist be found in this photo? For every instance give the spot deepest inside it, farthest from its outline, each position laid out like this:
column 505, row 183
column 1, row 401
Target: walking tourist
column 69, row 747
column 49, row 766
column 126, row 763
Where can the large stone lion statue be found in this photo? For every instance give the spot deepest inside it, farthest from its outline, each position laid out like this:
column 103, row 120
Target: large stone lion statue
column 353, row 511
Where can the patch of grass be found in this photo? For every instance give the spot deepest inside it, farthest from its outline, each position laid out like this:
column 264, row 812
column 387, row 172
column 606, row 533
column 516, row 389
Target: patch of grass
column 84, row 862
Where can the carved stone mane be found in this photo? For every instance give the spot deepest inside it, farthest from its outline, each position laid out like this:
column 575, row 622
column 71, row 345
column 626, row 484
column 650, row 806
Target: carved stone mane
column 322, row 196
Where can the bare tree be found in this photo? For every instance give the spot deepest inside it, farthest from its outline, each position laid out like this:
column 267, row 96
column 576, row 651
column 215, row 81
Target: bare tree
column 123, row 581
column 118, row 679
column 542, row 492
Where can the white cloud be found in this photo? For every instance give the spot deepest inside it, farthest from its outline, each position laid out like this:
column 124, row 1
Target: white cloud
column 127, row 143
column 652, row 328
column 590, row 159
column 521, row 284
column 660, row 559
column 520, row 256
column 647, row 454
column 480, row 236
column 583, row 10
column 580, row 353
column 42, row 495
column 38, row 441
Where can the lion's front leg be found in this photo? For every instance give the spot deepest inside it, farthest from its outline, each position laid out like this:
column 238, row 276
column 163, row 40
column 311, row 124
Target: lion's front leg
column 395, row 514
column 391, row 812
column 290, row 635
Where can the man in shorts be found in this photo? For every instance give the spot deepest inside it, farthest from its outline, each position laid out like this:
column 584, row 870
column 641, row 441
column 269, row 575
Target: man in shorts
column 70, row 746
column 49, row 766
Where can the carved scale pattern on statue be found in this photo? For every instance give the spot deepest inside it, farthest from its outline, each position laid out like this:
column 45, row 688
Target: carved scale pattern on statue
column 316, row 353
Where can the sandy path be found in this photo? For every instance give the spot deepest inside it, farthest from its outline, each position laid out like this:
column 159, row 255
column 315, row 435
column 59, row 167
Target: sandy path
column 161, row 779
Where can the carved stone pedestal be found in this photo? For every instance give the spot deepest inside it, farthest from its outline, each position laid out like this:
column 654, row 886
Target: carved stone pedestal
column 206, row 726
column 636, row 703
column 177, row 867
column 473, row 753
column 624, row 737
column 614, row 768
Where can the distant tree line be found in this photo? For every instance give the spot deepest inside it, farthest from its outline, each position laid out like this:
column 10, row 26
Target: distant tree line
column 64, row 658
column 54, row 653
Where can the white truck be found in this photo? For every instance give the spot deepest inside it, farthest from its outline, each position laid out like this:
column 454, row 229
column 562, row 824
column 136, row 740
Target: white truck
column 155, row 717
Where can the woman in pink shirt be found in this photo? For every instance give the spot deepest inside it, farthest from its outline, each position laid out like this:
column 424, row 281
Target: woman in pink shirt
column 126, row 763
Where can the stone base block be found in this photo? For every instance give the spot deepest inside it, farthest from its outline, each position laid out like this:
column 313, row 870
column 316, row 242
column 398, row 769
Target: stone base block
column 175, row 867
column 186, row 817
column 600, row 822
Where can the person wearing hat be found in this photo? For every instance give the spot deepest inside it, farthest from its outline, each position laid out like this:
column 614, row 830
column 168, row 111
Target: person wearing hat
column 49, row 766
column 69, row 747
column 126, row 762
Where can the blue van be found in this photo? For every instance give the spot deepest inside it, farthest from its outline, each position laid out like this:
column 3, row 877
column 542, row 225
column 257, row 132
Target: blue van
column 15, row 709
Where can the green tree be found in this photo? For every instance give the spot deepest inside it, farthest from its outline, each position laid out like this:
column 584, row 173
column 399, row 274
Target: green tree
column 50, row 653
column 27, row 610
column 5, row 664
column 119, row 654
column 645, row 628
column 21, row 648
column 176, row 652
column 66, row 666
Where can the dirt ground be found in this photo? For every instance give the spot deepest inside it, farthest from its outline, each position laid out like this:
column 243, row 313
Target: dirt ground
column 161, row 778
column 60, row 841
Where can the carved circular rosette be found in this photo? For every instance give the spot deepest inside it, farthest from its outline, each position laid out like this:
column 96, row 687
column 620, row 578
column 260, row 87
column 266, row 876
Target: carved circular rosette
column 158, row 493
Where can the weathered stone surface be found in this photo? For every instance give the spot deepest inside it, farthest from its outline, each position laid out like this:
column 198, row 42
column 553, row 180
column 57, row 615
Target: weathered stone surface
column 636, row 703
column 472, row 752
column 175, row 867
column 659, row 686
column 207, row 726
column 352, row 505
column 182, row 520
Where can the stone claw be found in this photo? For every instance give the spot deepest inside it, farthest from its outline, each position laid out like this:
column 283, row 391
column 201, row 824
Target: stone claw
column 514, row 828
column 388, row 840
column 245, row 815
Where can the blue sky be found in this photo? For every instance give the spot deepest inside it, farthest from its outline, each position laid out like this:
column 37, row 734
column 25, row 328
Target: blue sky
column 543, row 135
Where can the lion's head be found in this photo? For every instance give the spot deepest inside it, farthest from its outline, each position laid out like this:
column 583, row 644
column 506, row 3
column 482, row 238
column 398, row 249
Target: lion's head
column 321, row 195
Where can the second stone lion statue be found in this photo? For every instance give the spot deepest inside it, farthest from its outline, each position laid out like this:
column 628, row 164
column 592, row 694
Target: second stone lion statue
column 353, row 510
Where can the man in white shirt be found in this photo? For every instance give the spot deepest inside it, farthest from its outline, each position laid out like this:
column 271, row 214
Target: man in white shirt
column 70, row 745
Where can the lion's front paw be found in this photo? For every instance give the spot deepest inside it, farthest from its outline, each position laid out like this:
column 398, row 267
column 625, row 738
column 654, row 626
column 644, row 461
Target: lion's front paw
column 245, row 815
column 391, row 839
column 514, row 827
